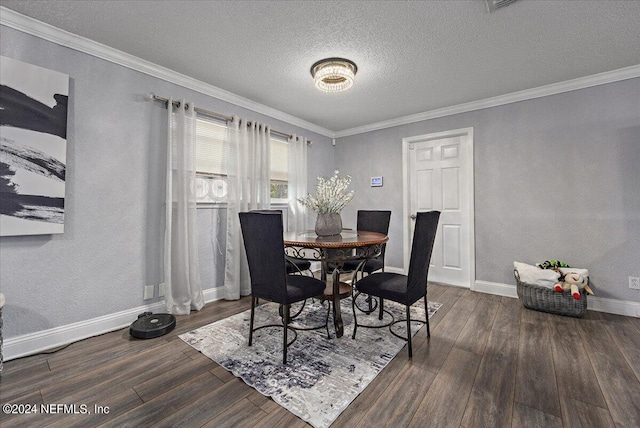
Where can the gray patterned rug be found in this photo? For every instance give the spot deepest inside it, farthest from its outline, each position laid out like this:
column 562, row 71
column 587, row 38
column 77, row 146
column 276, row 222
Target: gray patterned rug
column 322, row 376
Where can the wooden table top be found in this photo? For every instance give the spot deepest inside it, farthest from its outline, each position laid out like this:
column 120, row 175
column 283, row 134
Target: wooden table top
column 347, row 239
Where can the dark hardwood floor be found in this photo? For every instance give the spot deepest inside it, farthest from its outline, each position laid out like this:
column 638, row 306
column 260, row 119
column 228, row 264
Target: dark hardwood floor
column 489, row 363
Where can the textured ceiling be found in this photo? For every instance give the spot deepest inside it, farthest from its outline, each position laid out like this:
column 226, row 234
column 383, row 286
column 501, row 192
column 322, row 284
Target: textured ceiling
column 412, row 57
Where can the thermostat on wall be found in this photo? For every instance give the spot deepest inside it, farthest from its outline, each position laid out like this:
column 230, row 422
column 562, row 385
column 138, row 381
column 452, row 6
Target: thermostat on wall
column 376, row 181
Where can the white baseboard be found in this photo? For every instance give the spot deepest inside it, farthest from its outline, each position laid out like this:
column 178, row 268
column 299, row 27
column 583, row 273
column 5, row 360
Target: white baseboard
column 595, row 303
column 497, row 288
column 213, row 294
column 394, row 270
column 40, row 341
column 34, row 343
column 612, row 306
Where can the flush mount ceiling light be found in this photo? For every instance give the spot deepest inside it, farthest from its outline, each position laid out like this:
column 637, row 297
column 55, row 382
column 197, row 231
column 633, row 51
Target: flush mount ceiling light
column 334, row 74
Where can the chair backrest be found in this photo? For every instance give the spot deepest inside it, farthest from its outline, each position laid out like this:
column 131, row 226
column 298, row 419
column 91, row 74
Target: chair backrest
column 424, row 236
column 375, row 221
column 262, row 232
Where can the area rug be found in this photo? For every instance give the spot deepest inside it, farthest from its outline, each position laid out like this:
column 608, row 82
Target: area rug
column 322, row 376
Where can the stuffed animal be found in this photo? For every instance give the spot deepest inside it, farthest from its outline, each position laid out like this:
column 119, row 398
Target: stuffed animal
column 574, row 282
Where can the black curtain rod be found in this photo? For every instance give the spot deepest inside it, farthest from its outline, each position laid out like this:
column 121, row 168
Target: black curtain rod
column 203, row 112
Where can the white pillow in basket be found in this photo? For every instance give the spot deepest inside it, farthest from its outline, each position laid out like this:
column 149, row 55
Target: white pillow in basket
column 533, row 275
column 583, row 272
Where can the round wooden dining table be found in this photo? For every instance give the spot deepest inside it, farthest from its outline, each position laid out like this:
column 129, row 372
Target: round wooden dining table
column 336, row 249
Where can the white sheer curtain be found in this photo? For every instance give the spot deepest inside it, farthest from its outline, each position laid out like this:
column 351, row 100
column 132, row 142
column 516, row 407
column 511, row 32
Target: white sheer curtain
column 297, row 182
column 249, row 189
column 181, row 270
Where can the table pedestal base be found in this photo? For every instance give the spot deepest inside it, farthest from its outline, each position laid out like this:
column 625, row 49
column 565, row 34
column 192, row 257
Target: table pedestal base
column 335, row 291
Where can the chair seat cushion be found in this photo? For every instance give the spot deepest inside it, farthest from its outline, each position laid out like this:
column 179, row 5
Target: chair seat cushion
column 299, row 263
column 372, row 265
column 388, row 285
column 301, row 287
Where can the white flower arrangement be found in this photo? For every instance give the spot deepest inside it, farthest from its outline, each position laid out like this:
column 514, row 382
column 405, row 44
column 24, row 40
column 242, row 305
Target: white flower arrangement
column 331, row 194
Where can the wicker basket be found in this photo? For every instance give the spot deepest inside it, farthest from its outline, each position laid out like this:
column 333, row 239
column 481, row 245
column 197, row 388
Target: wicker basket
column 548, row 300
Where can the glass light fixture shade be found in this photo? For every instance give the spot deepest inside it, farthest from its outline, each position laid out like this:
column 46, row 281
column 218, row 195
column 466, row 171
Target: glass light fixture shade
column 334, row 74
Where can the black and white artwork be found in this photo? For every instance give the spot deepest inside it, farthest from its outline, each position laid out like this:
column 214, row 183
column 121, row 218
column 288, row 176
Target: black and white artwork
column 33, row 147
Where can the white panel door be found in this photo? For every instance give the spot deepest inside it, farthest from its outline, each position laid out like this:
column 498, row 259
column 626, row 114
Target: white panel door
column 439, row 176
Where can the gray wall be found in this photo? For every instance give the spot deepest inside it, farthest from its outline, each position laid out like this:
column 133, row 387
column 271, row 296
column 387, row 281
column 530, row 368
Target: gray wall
column 556, row 177
column 114, row 222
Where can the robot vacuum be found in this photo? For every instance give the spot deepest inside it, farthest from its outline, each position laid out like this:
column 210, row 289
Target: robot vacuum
column 150, row 325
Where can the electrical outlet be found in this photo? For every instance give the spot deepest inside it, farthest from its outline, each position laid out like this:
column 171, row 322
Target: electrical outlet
column 148, row 292
column 162, row 289
column 634, row 282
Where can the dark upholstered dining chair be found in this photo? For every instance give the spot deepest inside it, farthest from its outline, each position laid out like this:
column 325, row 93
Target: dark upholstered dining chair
column 293, row 265
column 372, row 221
column 404, row 289
column 298, row 266
column 262, row 233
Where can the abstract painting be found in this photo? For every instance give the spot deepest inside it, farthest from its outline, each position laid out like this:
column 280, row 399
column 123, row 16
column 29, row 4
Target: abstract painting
column 33, row 146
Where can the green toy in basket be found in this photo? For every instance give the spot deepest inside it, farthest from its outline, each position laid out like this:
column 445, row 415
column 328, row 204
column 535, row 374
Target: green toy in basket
column 552, row 264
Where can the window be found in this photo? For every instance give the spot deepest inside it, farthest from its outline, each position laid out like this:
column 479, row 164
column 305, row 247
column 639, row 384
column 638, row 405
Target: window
column 212, row 152
column 212, row 149
column 279, row 165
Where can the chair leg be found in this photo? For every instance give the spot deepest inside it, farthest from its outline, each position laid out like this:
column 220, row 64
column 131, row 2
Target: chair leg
column 409, row 330
column 285, row 321
column 426, row 315
column 253, row 307
column 355, row 319
column 326, row 320
column 381, row 314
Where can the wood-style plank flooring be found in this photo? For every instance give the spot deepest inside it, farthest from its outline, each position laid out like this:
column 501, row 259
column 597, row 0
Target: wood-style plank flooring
column 489, row 363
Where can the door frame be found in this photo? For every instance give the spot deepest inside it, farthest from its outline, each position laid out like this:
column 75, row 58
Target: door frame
column 406, row 226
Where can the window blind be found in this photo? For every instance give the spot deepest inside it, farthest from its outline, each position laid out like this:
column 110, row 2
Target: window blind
column 279, row 160
column 212, row 147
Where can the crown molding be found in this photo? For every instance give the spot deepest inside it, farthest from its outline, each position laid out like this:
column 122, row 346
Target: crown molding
column 64, row 38
column 61, row 37
column 527, row 94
